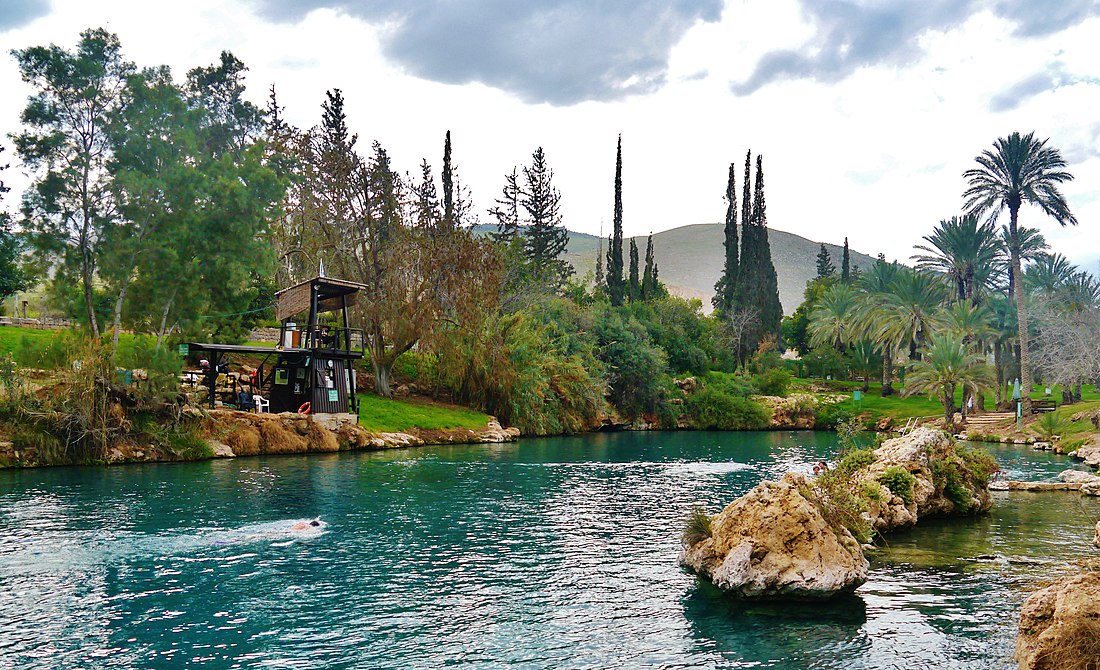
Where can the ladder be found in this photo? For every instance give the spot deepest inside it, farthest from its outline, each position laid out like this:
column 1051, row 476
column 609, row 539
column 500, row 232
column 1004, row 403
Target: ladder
column 909, row 425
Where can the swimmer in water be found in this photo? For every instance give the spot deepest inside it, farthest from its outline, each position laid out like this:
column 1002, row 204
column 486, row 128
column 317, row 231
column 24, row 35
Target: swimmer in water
column 302, row 525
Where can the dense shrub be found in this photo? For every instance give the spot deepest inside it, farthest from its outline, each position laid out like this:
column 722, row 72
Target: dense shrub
column 825, row 362
column 772, row 382
column 830, row 415
column 900, row 482
column 713, row 409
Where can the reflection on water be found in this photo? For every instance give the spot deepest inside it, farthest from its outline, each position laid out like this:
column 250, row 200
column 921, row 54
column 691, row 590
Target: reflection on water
column 542, row 554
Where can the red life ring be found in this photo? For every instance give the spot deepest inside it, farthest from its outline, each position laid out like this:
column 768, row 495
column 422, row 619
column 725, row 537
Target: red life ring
column 305, row 408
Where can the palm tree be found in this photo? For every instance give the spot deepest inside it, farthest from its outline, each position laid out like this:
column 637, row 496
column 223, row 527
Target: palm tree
column 946, row 365
column 1032, row 246
column 1004, row 334
column 864, row 359
column 831, row 321
column 873, row 285
column 964, row 251
column 1019, row 169
column 911, row 310
column 1049, row 274
column 974, row 325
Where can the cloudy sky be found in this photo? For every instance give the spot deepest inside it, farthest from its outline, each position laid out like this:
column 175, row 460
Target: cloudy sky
column 866, row 111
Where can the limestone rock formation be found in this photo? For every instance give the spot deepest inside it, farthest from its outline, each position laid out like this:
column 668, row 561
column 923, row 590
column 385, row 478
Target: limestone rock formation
column 943, row 482
column 1060, row 625
column 774, row 542
column 1096, row 537
column 1089, row 453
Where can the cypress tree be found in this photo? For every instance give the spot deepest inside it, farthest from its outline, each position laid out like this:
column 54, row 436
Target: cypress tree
column 726, row 286
column 599, row 260
column 635, row 292
column 846, row 265
column 766, row 284
column 615, row 283
column 506, row 210
column 741, row 290
column 825, row 267
column 448, row 186
column 649, row 277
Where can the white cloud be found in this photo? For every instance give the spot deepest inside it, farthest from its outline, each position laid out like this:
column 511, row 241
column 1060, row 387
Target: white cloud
column 874, row 152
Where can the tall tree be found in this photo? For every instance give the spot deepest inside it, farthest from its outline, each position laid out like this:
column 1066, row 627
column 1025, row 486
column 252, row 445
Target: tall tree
column 965, row 252
column 945, row 366
column 427, row 198
column 544, row 238
column 616, row 283
column 634, row 290
column 506, row 211
column 13, row 278
column 757, row 270
column 726, row 287
column 846, row 264
column 599, row 261
column 66, row 146
column 825, row 267
column 448, row 221
column 1019, row 169
column 649, row 277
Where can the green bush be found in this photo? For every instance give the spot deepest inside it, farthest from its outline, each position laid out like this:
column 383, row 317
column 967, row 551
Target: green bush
column 854, row 459
column 980, row 465
column 840, row 507
column 899, row 481
column 772, row 382
column 711, row 409
column 830, row 415
column 729, row 383
column 697, row 527
column 871, row 491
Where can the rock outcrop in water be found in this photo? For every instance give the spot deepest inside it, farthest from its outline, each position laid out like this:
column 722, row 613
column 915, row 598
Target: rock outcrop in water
column 943, row 480
column 794, row 538
column 774, row 542
column 1060, row 625
column 1089, row 453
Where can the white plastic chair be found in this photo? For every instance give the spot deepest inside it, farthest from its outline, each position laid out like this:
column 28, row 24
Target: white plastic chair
column 262, row 404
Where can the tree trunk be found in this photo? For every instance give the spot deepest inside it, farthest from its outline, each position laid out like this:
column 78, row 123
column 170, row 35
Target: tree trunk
column 1021, row 309
column 382, row 379
column 998, row 365
column 949, row 409
column 118, row 318
column 887, row 371
column 164, row 317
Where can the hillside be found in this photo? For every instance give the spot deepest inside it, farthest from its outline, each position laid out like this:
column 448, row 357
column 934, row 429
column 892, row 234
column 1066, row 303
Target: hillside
column 689, row 260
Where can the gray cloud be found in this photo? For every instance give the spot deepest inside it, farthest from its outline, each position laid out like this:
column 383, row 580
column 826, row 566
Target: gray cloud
column 855, row 33
column 556, row 51
column 1036, row 19
column 17, row 13
column 1052, row 78
column 1027, row 88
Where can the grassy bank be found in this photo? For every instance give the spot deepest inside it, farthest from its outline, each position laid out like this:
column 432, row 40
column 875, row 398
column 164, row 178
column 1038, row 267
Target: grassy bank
column 391, row 416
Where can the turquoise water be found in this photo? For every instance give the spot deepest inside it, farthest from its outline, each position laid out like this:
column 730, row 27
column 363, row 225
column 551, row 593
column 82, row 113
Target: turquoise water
column 555, row 553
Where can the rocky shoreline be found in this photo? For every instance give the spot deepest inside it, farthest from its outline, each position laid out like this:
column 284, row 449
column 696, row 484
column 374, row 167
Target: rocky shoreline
column 232, row 434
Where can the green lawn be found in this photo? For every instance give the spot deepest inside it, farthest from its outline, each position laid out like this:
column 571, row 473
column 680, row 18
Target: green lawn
column 900, row 408
column 383, row 415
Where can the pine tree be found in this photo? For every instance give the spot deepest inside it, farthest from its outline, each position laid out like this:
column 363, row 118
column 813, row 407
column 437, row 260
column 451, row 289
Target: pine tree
column 649, row 277
column 825, row 267
column 448, row 186
column 635, row 289
column 726, row 286
column 544, row 238
column 846, row 265
column 615, row 282
column 427, row 199
column 506, row 211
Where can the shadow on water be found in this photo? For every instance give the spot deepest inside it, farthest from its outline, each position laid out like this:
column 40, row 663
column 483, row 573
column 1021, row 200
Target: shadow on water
column 773, row 633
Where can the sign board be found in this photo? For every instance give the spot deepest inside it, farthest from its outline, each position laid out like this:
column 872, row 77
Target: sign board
column 333, row 395
column 857, row 395
column 184, row 349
